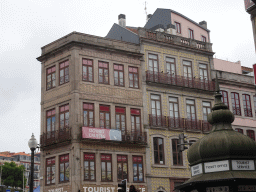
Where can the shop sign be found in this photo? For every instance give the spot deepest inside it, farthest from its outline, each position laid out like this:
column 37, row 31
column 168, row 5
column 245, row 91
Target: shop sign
column 216, row 166
column 246, row 187
column 98, row 133
column 217, row 189
column 243, row 165
column 57, row 190
column 196, row 169
column 110, row 188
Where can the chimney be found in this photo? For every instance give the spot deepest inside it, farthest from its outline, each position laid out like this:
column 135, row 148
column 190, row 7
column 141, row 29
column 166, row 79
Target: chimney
column 121, row 20
column 149, row 16
column 203, row 24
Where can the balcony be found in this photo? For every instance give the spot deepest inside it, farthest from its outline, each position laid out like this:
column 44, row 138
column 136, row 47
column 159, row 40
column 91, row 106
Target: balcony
column 181, row 81
column 237, row 111
column 247, row 112
column 175, row 40
column 55, row 137
column 179, row 123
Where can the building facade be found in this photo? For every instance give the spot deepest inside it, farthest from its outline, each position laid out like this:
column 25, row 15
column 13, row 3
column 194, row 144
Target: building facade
column 250, row 7
column 177, row 90
column 238, row 93
column 92, row 133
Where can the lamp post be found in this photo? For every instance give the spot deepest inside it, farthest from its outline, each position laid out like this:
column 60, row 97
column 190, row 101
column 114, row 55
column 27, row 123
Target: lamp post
column 32, row 143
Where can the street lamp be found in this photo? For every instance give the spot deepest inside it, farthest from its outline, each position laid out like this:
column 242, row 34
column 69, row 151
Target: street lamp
column 32, row 143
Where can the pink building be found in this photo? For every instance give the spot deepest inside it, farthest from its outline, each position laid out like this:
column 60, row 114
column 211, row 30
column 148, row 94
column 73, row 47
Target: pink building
column 238, row 91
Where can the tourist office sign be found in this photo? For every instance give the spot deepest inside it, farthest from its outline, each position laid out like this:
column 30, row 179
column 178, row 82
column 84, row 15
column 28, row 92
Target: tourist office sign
column 98, row 133
column 110, row 188
column 218, row 166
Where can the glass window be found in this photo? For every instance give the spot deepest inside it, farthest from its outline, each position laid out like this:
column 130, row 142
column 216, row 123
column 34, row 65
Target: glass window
column 224, row 98
column 106, row 167
column 176, row 155
column 187, row 69
column 64, row 116
column 122, row 167
column 103, row 72
column 137, row 169
column 191, row 33
column 50, row 77
column 235, row 103
column 191, row 109
column 133, row 77
column 105, row 116
column 158, row 150
column 203, row 74
column 88, row 114
column 88, row 70
column 64, row 168
column 206, row 110
column 50, row 171
column 153, row 63
column 171, row 66
column 135, row 120
column 203, row 38
column 118, row 75
column 64, row 72
column 178, row 28
column 247, row 105
column 120, row 118
column 173, row 112
column 240, row 130
column 251, row 134
column 50, row 123
column 89, row 167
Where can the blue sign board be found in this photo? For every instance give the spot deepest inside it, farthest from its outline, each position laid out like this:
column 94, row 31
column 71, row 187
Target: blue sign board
column 8, row 190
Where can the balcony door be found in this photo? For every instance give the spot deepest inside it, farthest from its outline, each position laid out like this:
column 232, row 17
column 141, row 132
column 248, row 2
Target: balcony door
column 187, row 72
column 171, row 70
column 153, row 66
column 174, row 112
column 156, row 110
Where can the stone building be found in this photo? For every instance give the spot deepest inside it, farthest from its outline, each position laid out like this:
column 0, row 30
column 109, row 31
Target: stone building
column 250, row 7
column 92, row 133
column 238, row 93
column 177, row 90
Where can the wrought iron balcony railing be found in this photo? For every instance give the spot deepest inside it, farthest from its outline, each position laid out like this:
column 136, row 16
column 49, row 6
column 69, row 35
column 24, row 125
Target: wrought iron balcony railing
column 134, row 137
column 247, row 112
column 179, row 123
column 177, row 80
column 237, row 111
column 53, row 137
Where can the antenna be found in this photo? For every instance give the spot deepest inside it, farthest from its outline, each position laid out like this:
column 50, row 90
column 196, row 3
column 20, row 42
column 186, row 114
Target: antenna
column 146, row 10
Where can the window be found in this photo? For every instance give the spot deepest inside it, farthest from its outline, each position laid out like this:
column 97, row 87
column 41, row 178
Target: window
column 153, row 66
column 254, row 100
column 120, row 118
column 187, row 69
column 224, row 98
column 87, row 70
column 158, row 150
column 251, row 134
column 88, row 114
column 174, row 112
column 137, row 169
column 203, row 74
column 64, row 116
column 133, row 77
column 50, row 77
column 104, row 116
column 176, row 155
column 247, row 105
column 64, row 168
column 156, row 110
column 89, row 167
column 103, row 72
column 178, row 28
column 50, row 171
column 206, row 110
column 119, row 75
column 203, row 38
column 64, row 72
column 191, row 111
column 239, row 130
column 235, row 103
column 135, row 120
column 106, row 167
column 122, row 167
column 170, row 66
column 191, row 33
column 50, row 123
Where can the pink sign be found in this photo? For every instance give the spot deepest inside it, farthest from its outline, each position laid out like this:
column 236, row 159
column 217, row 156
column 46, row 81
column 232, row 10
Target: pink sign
column 100, row 133
column 254, row 72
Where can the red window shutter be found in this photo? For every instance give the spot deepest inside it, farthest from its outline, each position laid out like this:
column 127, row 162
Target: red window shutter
column 120, row 110
column 135, row 112
column 104, row 108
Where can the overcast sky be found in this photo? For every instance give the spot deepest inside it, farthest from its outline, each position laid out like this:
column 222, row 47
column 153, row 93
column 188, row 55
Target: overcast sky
column 27, row 25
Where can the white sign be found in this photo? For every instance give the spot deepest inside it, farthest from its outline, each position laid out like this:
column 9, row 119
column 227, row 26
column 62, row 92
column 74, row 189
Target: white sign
column 216, row 166
column 243, row 165
column 246, row 187
column 217, row 189
column 56, row 190
column 196, row 169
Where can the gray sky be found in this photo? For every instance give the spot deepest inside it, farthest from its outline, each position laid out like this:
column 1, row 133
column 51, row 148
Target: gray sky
column 27, row 25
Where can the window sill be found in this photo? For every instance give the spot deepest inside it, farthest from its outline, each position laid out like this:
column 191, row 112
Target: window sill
column 159, row 166
column 178, row 167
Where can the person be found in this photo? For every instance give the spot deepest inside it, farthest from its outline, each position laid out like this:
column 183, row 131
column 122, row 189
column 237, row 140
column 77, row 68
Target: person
column 132, row 188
